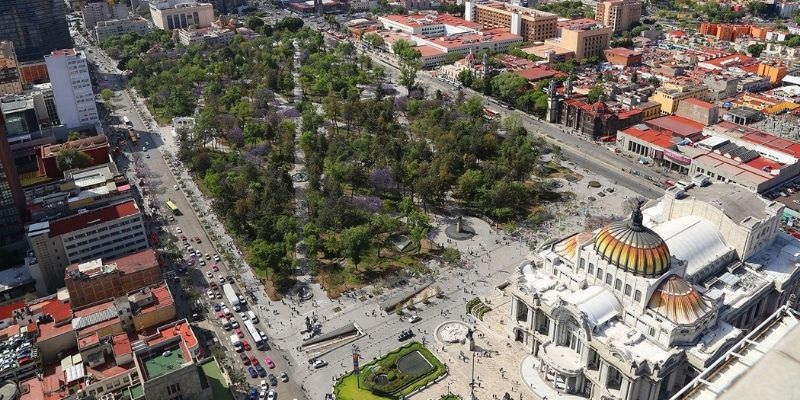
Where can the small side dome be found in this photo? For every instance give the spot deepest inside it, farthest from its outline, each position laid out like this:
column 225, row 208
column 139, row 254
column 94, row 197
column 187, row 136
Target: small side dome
column 676, row 300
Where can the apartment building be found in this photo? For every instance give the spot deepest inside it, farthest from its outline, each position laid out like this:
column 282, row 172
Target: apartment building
column 114, row 27
column 72, row 87
column 107, row 232
column 618, row 14
column 174, row 14
column 94, row 13
column 532, row 25
column 99, row 279
column 10, row 82
column 670, row 97
column 585, row 42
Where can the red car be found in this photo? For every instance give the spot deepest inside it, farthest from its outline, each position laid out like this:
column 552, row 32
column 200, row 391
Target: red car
column 221, row 315
column 269, row 362
column 197, row 239
column 215, row 268
column 245, row 359
column 240, row 333
column 254, row 360
column 183, row 237
column 246, row 345
column 212, row 284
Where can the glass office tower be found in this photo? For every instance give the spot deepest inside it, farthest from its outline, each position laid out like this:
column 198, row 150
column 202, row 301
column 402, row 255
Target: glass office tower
column 36, row 27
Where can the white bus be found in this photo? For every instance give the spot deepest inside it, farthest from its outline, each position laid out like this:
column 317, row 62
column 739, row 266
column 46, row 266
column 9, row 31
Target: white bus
column 127, row 122
column 251, row 329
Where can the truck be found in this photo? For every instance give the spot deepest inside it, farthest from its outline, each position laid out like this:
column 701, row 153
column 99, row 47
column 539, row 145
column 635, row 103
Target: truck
column 252, row 317
column 232, row 296
column 236, row 342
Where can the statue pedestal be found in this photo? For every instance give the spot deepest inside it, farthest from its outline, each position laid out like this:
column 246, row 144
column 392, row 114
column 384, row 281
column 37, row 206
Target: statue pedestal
column 552, row 109
column 469, row 343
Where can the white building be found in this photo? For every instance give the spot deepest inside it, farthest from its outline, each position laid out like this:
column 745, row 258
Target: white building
column 106, row 232
column 210, row 35
column 72, row 88
column 174, row 14
column 114, row 27
column 637, row 309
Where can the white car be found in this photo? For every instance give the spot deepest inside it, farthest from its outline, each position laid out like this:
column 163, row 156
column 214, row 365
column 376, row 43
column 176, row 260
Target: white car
column 271, row 395
column 264, row 384
column 244, row 316
column 211, row 295
column 320, row 363
column 216, row 258
column 209, row 275
column 179, row 230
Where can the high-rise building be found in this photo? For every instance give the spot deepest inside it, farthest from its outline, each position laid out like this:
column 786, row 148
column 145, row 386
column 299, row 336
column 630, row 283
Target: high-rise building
column 102, row 11
column 10, row 82
column 585, row 41
column 532, row 25
column 619, row 14
column 36, row 27
column 72, row 87
column 174, row 14
column 12, row 200
column 107, row 232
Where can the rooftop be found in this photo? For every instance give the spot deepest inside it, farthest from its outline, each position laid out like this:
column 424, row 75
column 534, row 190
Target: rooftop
column 161, row 298
column 729, row 129
column 735, row 201
column 82, row 221
column 644, row 133
column 84, row 144
column 678, row 126
column 129, row 264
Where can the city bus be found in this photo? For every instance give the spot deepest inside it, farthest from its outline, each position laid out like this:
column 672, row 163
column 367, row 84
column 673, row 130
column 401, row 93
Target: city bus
column 257, row 339
column 172, row 207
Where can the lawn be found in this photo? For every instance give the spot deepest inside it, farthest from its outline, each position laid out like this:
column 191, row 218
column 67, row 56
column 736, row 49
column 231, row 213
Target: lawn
column 396, row 374
column 218, row 385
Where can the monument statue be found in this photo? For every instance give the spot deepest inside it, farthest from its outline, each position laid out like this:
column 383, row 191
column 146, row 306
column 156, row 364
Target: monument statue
column 568, row 87
column 551, row 88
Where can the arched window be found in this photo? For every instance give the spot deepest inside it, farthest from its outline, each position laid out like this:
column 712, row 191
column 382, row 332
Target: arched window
column 581, row 264
column 591, row 268
column 599, row 273
column 637, row 295
column 628, row 289
column 608, row 279
column 618, row 284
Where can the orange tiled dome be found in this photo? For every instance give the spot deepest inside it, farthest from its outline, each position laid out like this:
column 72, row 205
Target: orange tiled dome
column 632, row 247
column 678, row 301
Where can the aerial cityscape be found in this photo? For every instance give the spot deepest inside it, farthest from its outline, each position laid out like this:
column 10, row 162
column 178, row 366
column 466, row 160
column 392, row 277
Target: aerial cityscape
column 413, row 199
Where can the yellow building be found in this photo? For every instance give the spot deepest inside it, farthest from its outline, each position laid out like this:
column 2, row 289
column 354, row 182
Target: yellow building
column 670, row 97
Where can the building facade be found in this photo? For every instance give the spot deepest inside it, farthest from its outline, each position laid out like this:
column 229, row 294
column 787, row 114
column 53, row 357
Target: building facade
column 12, row 201
column 72, row 87
column 618, row 14
column 99, row 280
column 94, row 13
column 669, row 98
column 36, row 27
column 636, row 309
column 114, row 27
column 174, row 14
column 532, row 25
column 584, row 42
column 10, row 82
column 107, row 232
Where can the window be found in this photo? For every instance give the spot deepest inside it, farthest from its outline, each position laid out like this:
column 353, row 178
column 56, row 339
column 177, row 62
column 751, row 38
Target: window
column 608, row 279
column 637, row 295
column 581, row 264
column 599, row 273
column 628, row 290
column 591, row 268
column 618, row 284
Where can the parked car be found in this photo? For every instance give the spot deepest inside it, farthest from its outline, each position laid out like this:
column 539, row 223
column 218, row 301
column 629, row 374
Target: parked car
column 272, row 380
column 264, row 385
column 246, row 346
column 284, row 376
column 269, row 362
column 406, row 334
column 319, row 363
column 245, row 359
column 414, row 318
column 253, row 395
column 252, row 371
column 261, row 371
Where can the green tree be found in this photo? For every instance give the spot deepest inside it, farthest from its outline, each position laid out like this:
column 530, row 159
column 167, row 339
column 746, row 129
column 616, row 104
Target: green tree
column 410, row 64
column 374, row 40
column 509, row 86
column 106, row 94
column 266, row 256
column 73, row 135
column 756, row 49
column 68, row 159
column 594, row 93
column 355, row 242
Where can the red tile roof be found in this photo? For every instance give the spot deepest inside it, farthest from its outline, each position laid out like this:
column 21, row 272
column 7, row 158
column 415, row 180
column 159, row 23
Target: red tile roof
column 698, row 103
column 678, row 126
column 122, row 345
column 128, row 264
column 660, row 139
column 163, row 298
column 6, row 311
column 82, row 221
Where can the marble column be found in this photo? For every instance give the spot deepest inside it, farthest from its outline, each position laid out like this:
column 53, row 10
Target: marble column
column 603, row 374
column 551, row 333
column 624, row 388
